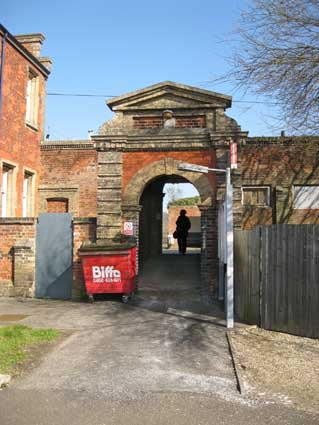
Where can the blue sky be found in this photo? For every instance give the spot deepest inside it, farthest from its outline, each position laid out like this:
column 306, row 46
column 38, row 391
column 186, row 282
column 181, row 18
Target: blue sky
column 114, row 47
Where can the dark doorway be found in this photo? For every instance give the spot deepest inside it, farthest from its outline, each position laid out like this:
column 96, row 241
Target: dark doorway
column 150, row 241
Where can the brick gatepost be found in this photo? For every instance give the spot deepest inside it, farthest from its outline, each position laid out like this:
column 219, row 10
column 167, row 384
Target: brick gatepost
column 109, row 191
column 209, row 256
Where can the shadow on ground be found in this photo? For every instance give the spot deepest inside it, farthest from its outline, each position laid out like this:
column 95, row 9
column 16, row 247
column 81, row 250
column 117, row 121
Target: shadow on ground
column 171, row 284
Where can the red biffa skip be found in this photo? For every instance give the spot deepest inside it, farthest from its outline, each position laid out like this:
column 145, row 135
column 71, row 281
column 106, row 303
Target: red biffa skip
column 111, row 272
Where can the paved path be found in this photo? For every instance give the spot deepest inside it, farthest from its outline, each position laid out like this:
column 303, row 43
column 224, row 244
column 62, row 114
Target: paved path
column 161, row 360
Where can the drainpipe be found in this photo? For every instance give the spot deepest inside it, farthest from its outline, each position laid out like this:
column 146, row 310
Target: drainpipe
column 3, row 45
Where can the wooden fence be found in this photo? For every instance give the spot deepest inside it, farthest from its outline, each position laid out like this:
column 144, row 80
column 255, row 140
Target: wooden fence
column 277, row 278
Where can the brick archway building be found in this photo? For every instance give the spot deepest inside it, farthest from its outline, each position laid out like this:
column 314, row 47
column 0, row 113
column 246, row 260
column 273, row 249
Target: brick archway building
column 138, row 152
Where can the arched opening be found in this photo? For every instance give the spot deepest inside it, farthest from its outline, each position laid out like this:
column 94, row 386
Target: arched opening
column 142, row 203
column 166, row 276
column 157, row 224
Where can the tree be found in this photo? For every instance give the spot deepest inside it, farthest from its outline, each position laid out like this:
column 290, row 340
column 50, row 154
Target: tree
column 193, row 200
column 278, row 55
column 173, row 191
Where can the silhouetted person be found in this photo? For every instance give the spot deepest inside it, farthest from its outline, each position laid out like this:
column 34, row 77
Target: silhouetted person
column 183, row 225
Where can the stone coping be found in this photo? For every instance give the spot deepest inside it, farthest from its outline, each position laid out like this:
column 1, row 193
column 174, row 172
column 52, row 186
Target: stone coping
column 66, row 144
column 18, row 220
column 287, row 140
column 164, row 132
column 84, row 220
column 203, row 97
column 34, row 220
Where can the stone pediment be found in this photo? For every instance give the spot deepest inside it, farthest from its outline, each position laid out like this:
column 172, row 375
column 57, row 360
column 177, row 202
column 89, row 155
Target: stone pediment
column 169, row 95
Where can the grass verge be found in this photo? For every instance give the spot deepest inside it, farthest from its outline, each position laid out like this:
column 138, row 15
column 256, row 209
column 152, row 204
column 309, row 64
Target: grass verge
column 16, row 340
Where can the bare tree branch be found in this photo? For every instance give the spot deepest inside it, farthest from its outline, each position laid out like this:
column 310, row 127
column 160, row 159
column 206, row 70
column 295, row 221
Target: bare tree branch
column 277, row 53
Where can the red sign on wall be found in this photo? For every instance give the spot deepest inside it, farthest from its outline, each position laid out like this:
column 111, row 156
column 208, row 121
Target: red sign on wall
column 233, row 155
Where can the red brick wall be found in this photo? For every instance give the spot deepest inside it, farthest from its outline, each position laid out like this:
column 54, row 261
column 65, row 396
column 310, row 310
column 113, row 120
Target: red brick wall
column 58, row 206
column 173, row 213
column 191, row 122
column 72, row 167
column 83, row 230
column 13, row 233
column 20, row 232
column 133, row 162
column 198, row 121
column 254, row 216
column 280, row 165
column 19, row 143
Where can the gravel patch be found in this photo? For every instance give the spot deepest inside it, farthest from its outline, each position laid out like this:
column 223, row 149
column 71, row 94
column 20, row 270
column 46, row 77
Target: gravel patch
column 278, row 367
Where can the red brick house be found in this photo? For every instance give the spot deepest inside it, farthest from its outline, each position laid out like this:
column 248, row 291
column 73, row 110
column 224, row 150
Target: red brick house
column 23, row 75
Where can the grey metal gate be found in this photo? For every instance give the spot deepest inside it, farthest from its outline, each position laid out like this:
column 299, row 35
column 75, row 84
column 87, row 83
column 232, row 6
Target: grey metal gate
column 54, row 256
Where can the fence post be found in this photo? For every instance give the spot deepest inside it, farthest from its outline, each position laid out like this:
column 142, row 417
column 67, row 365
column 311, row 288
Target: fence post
column 261, row 270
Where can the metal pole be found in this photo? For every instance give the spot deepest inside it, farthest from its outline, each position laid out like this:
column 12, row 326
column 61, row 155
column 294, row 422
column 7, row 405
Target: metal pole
column 230, row 252
column 221, row 251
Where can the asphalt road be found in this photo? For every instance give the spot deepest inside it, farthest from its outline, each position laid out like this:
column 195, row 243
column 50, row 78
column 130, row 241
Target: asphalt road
column 161, row 360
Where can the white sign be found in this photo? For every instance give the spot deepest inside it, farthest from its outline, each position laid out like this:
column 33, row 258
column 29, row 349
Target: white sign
column 105, row 274
column 128, row 228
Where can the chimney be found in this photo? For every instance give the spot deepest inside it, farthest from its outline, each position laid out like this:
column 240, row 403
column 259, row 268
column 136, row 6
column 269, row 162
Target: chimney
column 47, row 62
column 31, row 42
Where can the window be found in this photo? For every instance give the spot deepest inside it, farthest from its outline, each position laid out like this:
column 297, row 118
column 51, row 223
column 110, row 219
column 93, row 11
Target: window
column 28, row 195
column 306, row 197
column 7, row 209
column 256, row 195
column 32, row 105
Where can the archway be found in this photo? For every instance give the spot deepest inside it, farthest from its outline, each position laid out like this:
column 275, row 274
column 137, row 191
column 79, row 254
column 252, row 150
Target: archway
column 164, row 278
column 166, row 167
column 142, row 203
column 144, row 193
column 151, row 216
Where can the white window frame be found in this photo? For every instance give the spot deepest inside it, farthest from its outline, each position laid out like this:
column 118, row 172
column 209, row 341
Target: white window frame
column 32, row 99
column 243, row 188
column 4, row 192
column 8, row 192
column 28, row 193
column 297, row 202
